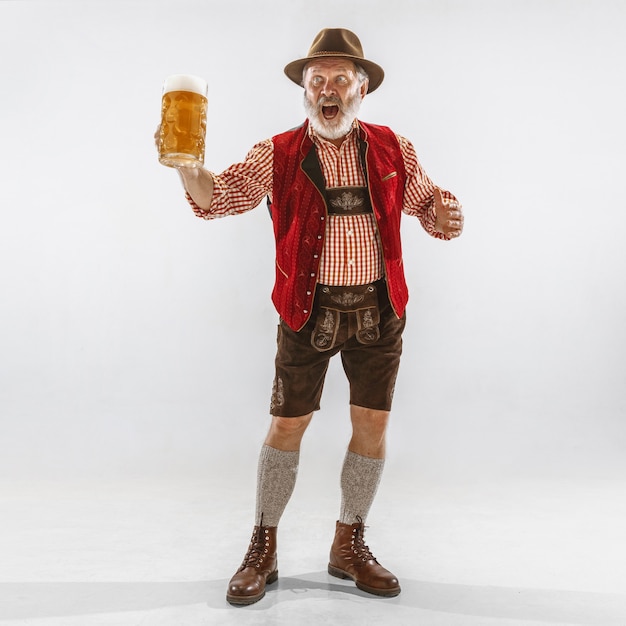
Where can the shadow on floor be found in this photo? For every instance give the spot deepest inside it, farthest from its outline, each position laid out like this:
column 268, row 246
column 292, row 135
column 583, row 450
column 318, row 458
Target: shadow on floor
column 54, row 599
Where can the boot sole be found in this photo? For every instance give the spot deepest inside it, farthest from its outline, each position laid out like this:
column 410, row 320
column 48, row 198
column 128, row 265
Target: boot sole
column 245, row 600
column 384, row 593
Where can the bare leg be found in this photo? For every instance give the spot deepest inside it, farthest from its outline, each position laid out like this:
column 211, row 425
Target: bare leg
column 363, row 464
column 277, row 471
column 369, row 428
column 286, row 433
column 350, row 557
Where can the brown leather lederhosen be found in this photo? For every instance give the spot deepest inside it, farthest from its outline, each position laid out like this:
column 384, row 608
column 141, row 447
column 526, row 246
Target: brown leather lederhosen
column 359, row 300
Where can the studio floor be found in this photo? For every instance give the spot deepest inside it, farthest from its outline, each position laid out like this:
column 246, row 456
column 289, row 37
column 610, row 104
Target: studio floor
column 160, row 553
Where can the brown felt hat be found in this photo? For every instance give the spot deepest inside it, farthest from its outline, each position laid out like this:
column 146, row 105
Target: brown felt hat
column 342, row 44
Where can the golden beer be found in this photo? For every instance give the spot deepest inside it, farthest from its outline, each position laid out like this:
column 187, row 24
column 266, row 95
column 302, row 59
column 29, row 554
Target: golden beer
column 183, row 121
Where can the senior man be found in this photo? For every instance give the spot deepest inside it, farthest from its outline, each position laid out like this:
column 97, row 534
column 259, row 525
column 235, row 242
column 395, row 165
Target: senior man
column 337, row 187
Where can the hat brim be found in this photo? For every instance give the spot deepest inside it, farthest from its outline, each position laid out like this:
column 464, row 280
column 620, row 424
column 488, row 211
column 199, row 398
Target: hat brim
column 375, row 73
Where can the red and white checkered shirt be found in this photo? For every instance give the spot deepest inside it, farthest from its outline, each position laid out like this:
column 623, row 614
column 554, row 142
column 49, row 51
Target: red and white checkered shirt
column 352, row 254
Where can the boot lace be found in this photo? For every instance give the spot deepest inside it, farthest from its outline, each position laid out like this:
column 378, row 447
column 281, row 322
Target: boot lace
column 359, row 547
column 258, row 548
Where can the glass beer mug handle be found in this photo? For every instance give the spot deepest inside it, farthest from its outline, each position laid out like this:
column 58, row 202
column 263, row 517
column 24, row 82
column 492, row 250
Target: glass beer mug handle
column 182, row 131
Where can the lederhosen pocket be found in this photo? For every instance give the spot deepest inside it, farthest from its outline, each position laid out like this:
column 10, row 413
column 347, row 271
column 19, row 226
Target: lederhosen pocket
column 362, row 300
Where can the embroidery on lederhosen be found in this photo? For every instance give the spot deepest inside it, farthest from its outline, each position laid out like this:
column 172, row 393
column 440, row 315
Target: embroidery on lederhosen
column 367, row 321
column 346, row 300
column 367, row 318
column 343, row 201
column 361, row 300
column 278, row 393
column 325, row 331
column 347, row 201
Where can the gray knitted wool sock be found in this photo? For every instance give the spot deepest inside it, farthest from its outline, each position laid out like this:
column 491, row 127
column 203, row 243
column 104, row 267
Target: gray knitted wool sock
column 360, row 477
column 276, row 479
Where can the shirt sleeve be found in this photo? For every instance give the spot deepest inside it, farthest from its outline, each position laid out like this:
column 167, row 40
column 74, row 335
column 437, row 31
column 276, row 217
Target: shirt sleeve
column 242, row 186
column 418, row 192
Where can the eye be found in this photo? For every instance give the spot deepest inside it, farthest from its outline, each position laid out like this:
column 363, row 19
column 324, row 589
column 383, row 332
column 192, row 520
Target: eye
column 316, row 81
column 342, row 80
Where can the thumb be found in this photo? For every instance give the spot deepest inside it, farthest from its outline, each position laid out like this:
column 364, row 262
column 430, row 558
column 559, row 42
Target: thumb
column 438, row 197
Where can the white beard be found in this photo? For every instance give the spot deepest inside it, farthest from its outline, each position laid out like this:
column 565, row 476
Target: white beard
column 339, row 126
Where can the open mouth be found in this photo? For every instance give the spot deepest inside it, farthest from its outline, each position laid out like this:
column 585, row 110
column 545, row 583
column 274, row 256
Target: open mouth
column 330, row 111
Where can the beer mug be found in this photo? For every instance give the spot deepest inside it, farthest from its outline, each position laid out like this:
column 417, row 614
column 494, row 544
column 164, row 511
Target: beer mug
column 183, row 121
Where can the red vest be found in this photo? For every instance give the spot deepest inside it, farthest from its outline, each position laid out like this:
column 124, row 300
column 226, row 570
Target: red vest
column 299, row 214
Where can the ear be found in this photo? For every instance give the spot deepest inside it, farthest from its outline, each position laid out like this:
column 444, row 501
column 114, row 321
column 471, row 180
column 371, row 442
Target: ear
column 363, row 89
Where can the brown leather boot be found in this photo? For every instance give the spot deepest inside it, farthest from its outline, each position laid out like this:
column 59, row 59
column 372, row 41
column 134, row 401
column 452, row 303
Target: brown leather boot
column 351, row 558
column 259, row 568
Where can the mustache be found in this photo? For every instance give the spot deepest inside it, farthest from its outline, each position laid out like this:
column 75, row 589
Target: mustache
column 329, row 100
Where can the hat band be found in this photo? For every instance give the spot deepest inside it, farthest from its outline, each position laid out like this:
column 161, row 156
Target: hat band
column 329, row 53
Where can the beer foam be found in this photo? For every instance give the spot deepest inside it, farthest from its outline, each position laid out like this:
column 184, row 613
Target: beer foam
column 185, row 82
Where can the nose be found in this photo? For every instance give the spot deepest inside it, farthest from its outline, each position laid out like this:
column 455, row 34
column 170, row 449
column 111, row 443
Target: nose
column 328, row 89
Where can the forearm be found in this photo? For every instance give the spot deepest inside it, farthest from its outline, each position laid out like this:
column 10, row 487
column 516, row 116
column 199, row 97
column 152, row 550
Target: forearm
column 238, row 189
column 198, row 183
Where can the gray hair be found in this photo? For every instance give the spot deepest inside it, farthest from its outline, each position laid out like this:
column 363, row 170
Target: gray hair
column 361, row 74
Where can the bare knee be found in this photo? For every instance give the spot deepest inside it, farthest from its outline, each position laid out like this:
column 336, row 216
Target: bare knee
column 369, row 429
column 286, row 433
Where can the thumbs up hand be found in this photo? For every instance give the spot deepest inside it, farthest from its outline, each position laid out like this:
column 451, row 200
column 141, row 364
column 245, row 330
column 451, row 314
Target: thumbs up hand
column 449, row 218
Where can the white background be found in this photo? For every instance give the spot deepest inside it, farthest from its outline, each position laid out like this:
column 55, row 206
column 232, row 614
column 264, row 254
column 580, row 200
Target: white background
column 138, row 340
